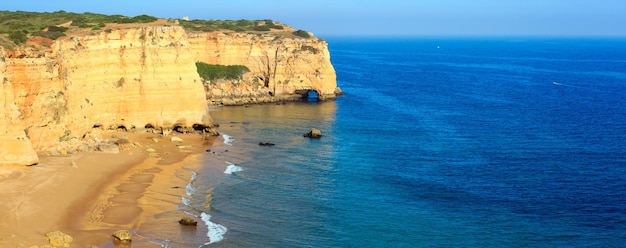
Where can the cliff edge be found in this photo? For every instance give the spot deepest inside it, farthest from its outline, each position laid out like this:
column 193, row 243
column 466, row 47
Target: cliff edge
column 284, row 68
column 55, row 94
column 15, row 147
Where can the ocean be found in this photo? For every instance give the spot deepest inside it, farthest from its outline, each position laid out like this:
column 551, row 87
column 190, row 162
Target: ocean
column 454, row 142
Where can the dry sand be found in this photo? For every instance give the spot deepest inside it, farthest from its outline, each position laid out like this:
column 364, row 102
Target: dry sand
column 91, row 195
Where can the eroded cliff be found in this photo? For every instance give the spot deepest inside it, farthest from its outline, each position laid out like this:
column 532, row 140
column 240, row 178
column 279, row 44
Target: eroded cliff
column 142, row 76
column 280, row 67
column 15, row 147
column 126, row 78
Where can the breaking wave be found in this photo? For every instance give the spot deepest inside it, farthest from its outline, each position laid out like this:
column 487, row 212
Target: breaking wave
column 216, row 231
column 228, row 140
column 232, row 168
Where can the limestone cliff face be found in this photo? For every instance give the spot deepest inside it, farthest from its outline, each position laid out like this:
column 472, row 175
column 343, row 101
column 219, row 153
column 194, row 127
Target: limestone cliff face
column 15, row 147
column 127, row 77
column 282, row 66
column 134, row 77
column 141, row 76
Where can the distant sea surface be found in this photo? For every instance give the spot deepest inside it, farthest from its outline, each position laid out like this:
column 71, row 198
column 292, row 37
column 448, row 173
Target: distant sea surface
column 436, row 143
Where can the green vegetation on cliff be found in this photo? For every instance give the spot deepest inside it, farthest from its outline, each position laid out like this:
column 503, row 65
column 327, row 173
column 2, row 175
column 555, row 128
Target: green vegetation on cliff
column 37, row 21
column 16, row 27
column 213, row 72
column 237, row 26
column 302, row 33
column 19, row 24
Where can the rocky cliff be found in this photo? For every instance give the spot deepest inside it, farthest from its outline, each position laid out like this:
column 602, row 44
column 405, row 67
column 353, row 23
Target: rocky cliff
column 15, row 147
column 125, row 78
column 280, row 67
column 141, row 77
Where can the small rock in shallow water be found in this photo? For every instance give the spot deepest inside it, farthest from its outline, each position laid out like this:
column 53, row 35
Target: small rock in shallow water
column 186, row 221
column 314, row 133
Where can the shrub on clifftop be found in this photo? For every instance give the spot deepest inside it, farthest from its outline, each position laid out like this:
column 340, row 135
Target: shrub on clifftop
column 52, row 25
column 302, row 33
column 18, row 37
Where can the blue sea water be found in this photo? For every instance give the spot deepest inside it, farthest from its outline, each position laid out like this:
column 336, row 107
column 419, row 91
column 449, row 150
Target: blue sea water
column 436, row 143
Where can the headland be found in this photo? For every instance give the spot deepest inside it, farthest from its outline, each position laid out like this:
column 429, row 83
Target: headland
column 90, row 105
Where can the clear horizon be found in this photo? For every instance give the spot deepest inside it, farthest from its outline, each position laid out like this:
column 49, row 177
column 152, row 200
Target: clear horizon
column 574, row 18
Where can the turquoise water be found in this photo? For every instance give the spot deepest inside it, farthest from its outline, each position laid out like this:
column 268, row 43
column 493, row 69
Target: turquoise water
column 437, row 143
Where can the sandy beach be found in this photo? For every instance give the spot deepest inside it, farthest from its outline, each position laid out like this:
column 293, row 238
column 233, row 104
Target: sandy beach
column 91, row 195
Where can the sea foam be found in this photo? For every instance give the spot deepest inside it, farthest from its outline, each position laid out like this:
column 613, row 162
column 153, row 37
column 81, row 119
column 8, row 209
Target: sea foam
column 232, row 168
column 216, row 231
column 190, row 189
column 186, row 201
column 194, row 175
column 164, row 243
column 228, row 140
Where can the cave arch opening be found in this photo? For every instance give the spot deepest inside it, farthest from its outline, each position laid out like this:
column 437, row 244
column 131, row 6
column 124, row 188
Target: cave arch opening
column 311, row 95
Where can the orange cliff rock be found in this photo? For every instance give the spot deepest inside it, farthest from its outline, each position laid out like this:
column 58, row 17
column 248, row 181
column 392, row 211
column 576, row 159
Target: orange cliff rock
column 280, row 65
column 128, row 77
column 139, row 76
column 15, row 147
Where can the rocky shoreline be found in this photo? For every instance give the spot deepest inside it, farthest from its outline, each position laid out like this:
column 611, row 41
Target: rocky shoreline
column 98, row 140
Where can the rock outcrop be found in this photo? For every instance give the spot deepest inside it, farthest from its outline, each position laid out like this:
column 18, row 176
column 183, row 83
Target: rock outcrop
column 126, row 78
column 142, row 77
column 188, row 221
column 281, row 68
column 122, row 236
column 15, row 147
column 314, row 133
column 59, row 239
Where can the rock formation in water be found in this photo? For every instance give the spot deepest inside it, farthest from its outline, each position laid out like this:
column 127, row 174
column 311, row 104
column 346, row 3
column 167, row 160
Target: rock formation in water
column 142, row 77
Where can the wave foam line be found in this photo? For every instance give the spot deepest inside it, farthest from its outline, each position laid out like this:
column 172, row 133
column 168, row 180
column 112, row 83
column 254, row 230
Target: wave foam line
column 190, row 190
column 164, row 243
column 232, row 168
column 216, row 231
column 186, row 201
column 194, row 175
column 228, row 140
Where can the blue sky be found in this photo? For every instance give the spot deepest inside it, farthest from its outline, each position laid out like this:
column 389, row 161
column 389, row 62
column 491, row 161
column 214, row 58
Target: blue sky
column 376, row 17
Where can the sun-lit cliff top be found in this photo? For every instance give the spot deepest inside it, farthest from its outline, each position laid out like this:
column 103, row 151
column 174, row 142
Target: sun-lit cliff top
column 40, row 28
column 66, row 74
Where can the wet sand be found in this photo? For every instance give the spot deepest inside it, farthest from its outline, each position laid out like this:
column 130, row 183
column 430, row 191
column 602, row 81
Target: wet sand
column 91, row 195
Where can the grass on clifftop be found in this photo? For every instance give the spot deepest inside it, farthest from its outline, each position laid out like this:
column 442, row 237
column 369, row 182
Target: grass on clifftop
column 16, row 27
column 19, row 25
column 237, row 26
column 249, row 26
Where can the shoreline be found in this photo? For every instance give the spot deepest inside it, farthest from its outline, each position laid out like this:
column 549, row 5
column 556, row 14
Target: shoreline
column 93, row 194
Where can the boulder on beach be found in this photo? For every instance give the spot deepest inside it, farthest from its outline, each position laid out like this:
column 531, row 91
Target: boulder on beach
column 122, row 236
column 109, row 148
column 314, row 133
column 187, row 221
column 59, row 239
